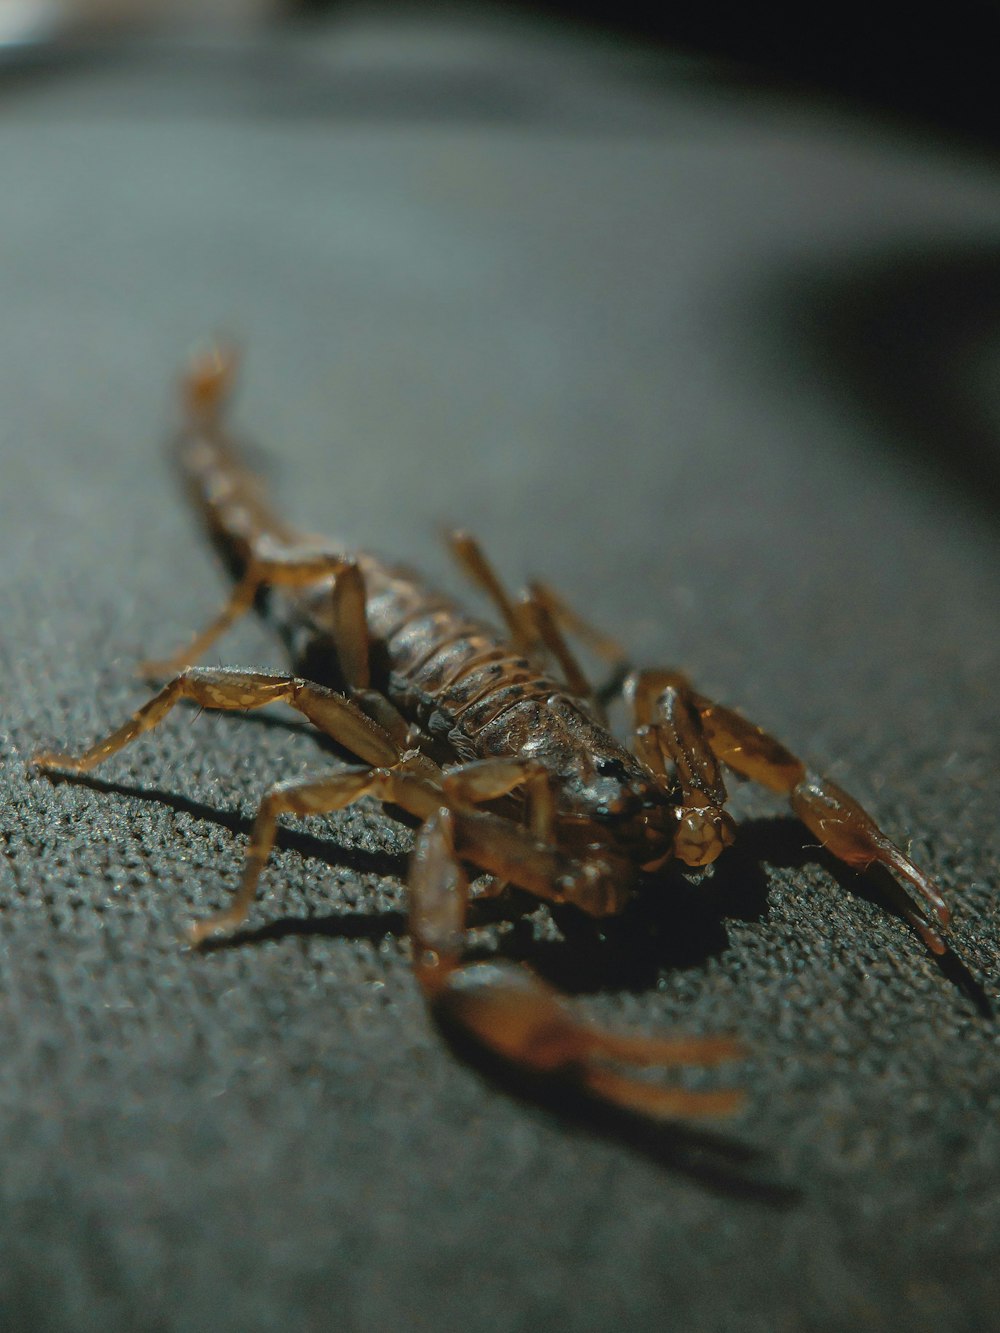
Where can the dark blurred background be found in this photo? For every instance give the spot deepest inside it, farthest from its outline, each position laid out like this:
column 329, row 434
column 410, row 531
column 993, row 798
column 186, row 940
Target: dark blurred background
column 936, row 66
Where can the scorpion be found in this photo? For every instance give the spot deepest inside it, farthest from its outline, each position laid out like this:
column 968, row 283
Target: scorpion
column 499, row 748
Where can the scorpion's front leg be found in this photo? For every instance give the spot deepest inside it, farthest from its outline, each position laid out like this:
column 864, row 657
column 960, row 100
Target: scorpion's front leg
column 512, row 1013
column 413, row 784
column 843, row 827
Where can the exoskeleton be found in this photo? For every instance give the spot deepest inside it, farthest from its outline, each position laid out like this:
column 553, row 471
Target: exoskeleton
column 498, row 745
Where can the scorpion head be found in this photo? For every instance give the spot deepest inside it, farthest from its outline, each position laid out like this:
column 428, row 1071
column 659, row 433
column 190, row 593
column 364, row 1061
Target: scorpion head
column 636, row 815
column 608, row 797
column 643, row 821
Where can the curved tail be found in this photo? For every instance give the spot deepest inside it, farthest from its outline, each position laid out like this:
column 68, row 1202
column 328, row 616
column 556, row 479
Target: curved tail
column 229, row 497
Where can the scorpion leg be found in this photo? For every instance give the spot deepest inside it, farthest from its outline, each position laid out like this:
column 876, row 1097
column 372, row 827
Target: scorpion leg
column 520, row 624
column 603, row 645
column 266, row 552
column 536, row 622
column 516, row 1016
column 496, row 845
column 489, row 779
column 412, row 785
column 411, row 791
column 556, row 619
column 669, row 731
column 552, row 637
column 273, row 565
column 332, row 713
column 843, row 827
column 234, row 690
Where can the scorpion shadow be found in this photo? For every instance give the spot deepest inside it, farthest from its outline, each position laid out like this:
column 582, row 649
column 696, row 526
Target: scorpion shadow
column 587, row 958
column 715, row 1159
column 680, row 923
column 677, row 924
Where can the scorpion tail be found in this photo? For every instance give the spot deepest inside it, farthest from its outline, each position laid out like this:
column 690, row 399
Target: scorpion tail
column 258, row 549
column 208, row 380
column 229, row 497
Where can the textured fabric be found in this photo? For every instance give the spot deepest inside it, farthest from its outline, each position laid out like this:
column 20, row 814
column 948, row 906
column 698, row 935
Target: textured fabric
column 723, row 371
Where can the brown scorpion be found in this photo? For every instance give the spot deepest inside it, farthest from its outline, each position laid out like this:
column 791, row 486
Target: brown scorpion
column 498, row 745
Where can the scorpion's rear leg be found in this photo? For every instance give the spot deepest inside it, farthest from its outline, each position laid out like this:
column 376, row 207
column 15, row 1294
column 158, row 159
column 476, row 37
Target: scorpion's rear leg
column 270, row 565
column 538, row 622
column 332, row 713
column 474, row 563
column 842, row 826
column 603, row 645
column 234, row 690
column 516, row 1016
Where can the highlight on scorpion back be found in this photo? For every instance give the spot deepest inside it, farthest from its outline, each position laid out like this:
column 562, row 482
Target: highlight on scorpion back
column 498, row 744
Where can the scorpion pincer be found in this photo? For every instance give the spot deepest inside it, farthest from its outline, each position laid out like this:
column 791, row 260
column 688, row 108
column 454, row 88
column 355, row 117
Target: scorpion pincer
column 498, row 745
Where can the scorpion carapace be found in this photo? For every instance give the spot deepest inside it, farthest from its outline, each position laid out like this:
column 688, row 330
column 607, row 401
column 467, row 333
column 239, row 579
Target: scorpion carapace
column 499, row 747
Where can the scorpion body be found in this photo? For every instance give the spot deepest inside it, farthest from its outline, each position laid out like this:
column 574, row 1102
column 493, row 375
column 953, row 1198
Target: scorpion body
column 461, row 685
column 498, row 745
column 457, row 679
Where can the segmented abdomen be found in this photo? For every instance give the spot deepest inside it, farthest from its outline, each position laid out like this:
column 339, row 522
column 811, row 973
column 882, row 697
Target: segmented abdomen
column 448, row 672
column 445, row 669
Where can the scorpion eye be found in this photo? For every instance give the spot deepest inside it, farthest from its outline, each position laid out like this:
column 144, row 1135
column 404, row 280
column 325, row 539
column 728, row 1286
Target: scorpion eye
column 610, row 768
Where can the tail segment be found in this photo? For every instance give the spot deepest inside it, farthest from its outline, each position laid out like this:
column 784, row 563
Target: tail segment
column 222, row 489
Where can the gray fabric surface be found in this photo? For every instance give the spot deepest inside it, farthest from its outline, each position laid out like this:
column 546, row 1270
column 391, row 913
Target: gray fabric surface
column 723, row 370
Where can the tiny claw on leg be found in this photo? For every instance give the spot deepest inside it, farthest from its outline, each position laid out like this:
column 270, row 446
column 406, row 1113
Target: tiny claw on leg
column 931, row 937
column 52, row 761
